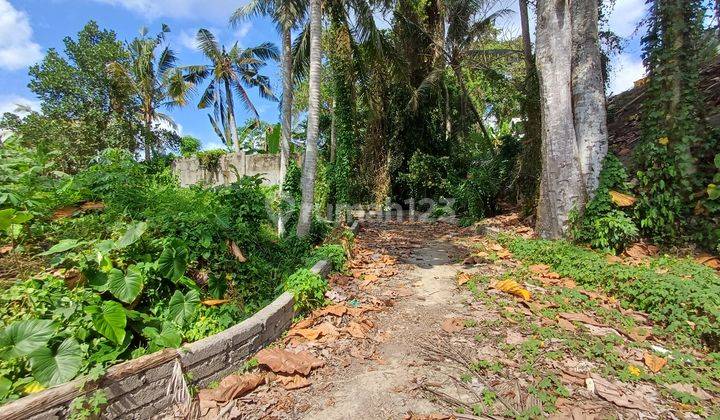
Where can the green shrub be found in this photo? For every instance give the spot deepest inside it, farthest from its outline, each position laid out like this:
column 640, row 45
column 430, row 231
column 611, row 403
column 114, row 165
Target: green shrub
column 333, row 253
column 603, row 225
column 660, row 288
column 308, row 288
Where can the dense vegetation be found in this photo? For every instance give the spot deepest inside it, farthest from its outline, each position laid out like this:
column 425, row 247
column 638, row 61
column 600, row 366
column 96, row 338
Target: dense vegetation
column 104, row 257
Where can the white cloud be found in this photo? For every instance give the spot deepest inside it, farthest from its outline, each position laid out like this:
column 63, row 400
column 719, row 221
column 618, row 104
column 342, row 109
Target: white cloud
column 626, row 70
column 187, row 40
column 243, row 30
column 17, row 49
column 165, row 125
column 625, row 16
column 218, row 10
column 10, row 103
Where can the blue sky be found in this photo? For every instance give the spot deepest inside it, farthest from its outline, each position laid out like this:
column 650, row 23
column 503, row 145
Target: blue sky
column 29, row 27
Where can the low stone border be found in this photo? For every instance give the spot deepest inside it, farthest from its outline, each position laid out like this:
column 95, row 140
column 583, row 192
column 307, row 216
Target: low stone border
column 137, row 389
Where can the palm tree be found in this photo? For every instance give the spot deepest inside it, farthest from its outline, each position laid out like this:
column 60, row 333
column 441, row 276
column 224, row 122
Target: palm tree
column 307, row 181
column 230, row 71
column 151, row 78
column 460, row 45
column 286, row 14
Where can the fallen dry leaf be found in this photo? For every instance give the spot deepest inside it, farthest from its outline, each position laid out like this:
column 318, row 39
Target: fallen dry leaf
column 452, row 325
column 356, row 330
column 512, row 287
column 709, row 260
column 370, row 277
column 283, row 361
column 215, row 302
column 566, row 325
column 92, row 205
column 571, row 316
column 232, row 387
column 654, row 363
column 693, row 390
column 641, row 250
column 235, row 250
column 5, row 249
column 307, row 333
column 337, row 310
column 622, row 200
column 64, row 212
column 613, row 392
column 293, row 382
column 539, row 268
column 463, row 278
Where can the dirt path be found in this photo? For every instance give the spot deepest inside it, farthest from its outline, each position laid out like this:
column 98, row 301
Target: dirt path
column 407, row 339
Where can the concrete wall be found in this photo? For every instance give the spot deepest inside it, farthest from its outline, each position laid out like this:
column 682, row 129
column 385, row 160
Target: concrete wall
column 230, row 165
column 137, row 389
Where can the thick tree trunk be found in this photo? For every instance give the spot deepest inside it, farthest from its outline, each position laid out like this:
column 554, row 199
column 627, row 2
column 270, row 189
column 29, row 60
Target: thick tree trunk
column 588, row 92
column 530, row 164
column 308, row 175
column 231, row 118
column 286, row 129
column 561, row 184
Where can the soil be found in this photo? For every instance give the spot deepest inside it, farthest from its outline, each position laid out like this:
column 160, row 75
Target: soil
column 422, row 332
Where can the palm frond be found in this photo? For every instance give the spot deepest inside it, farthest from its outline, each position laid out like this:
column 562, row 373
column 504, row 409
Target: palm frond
column 301, row 54
column 208, row 44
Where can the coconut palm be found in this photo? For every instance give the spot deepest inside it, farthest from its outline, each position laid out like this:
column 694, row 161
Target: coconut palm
column 307, row 181
column 287, row 14
column 152, row 79
column 230, row 72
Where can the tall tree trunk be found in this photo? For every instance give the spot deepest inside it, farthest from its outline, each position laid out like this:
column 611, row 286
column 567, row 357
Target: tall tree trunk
column 530, row 162
column 561, row 184
column 308, row 175
column 468, row 100
column 148, row 135
column 231, row 118
column 333, row 134
column 588, row 92
column 286, row 129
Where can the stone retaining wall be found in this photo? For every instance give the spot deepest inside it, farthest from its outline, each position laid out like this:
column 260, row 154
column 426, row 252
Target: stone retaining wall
column 137, row 389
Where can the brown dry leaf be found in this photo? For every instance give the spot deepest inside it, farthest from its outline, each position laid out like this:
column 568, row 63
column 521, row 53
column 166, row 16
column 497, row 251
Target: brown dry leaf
column 566, row 325
column 370, row 277
column 463, row 278
column 551, row 275
column 693, row 390
column 640, row 334
column 92, row 205
column 654, row 363
column 355, row 330
column 709, row 260
column 5, row 249
column 539, row 268
column 612, row 259
column 64, row 213
column 307, row 333
column 235, row 250
column 328, row 330
column 232, row 387
column 452, row 325
column 504, row 254
column 641, row 250
column 293, row 382
column 613, row 392
column 215, row 302
column 283, row 361
column 497, row 247
column 622, row 200
column 512, row 287
column 580, row 318
column 337, row 310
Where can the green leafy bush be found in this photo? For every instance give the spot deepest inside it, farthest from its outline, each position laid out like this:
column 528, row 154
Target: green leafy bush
column 688, row 308
column 308, row 288
column 333, row 253
column 603, row 225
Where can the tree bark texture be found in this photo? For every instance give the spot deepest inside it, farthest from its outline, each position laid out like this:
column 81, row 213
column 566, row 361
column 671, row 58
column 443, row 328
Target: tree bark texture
column 311, row 149
column 286, row 128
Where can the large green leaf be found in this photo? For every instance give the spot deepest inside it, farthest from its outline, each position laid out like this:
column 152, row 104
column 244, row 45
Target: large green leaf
column 110, row 321
column 62, row 246
column 182, row 307
column 173, row 260
column 56, row 367
column 126, row 287
column 169, row 337
column 24, row 337
column 131, row 236
column 9, row 217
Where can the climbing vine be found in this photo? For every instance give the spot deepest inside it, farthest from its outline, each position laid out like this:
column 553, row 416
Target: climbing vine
column 675, row 156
